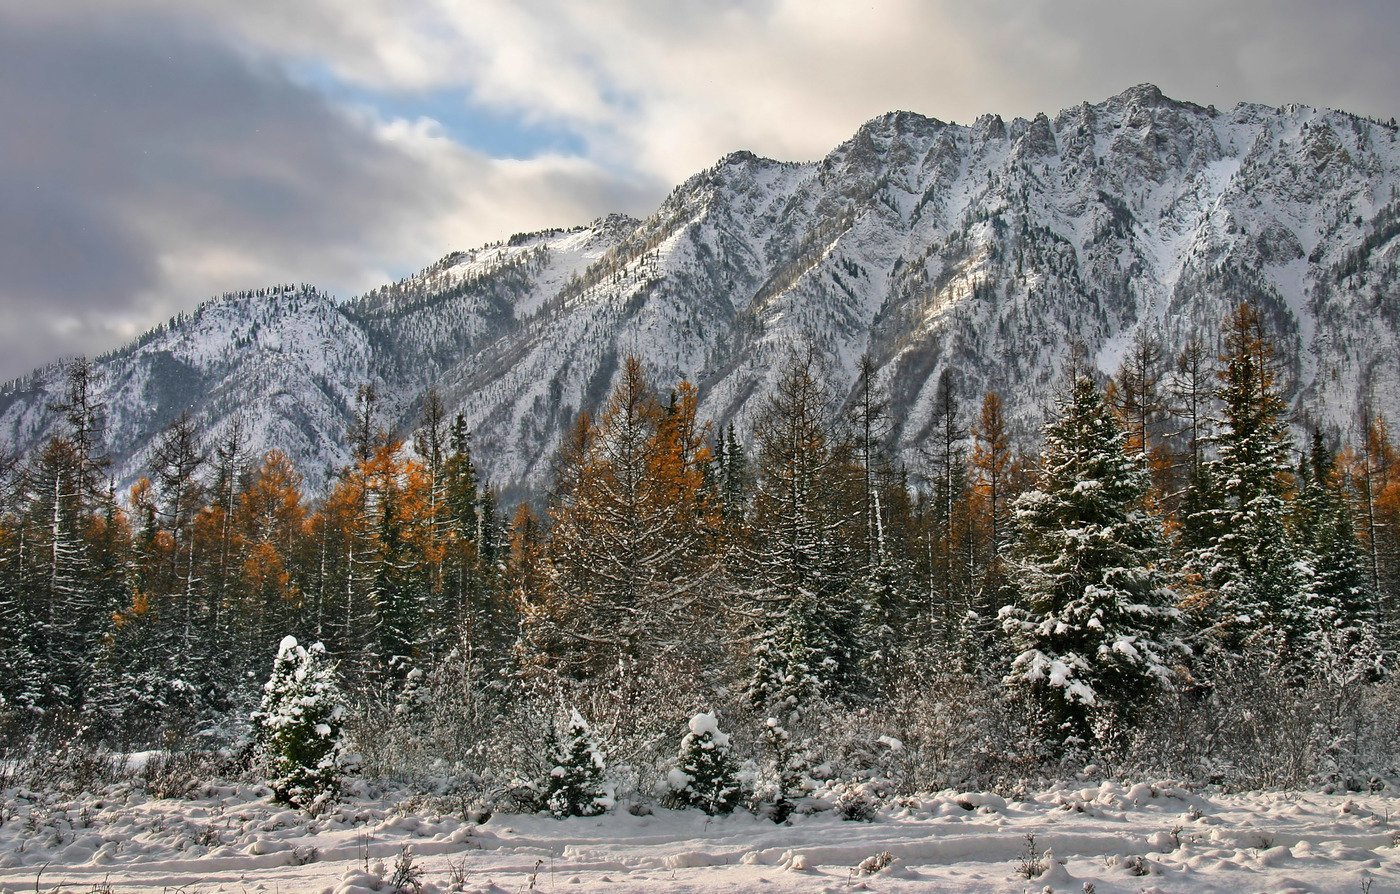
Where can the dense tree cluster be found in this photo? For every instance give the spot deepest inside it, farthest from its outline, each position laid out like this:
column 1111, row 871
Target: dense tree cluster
column 1166, row 535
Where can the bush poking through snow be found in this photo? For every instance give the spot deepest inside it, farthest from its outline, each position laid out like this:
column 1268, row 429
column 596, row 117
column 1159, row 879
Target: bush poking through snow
column 575, row 785
column 1031, row 863
column 705, row 775
column 406, row 877
column 297, row 727
column 858, row 804
column 875, row 863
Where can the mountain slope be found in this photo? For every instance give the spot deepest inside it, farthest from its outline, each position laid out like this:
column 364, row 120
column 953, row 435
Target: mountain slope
column 981, row 250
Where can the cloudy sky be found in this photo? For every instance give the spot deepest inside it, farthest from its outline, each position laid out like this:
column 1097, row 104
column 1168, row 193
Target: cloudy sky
column 156, row 152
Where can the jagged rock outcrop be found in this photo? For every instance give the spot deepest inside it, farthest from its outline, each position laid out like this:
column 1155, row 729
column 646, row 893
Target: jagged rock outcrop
column 983, row 250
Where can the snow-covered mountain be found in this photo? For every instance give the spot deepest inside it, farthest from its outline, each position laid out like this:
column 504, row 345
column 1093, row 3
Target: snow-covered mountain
column 983, row 250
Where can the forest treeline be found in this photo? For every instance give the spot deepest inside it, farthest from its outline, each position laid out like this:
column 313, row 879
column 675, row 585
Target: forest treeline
column 1166, row 549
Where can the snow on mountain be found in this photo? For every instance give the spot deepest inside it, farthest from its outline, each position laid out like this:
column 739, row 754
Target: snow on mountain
column 983, row 250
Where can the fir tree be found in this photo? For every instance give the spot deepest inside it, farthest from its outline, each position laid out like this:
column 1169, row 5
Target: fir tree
column 462, row 525
column 1091, row 627
column 732, row 481
column 1248, row 566
column 705, row 775
column 788, row 763
column 575, row 786
column 1340, row 605
column 804, row 644
column 297, row 728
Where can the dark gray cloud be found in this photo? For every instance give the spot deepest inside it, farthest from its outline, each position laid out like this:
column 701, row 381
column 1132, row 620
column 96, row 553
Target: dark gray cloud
column 125, row 147
column 1046, row 55
column 148, row 163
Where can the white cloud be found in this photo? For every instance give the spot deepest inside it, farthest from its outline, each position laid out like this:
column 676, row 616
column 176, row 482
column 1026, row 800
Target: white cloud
column 666, row 88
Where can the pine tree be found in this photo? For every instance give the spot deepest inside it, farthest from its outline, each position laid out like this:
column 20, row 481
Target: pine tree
column 705, row 775
column 575, row 786
column 1091, row 628
column 1340, row 605
column 1136, row 395
column 803, row 641
column 297, row 729
column 1248, row 569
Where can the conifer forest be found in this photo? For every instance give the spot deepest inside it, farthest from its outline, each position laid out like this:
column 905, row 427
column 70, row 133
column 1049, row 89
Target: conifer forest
column 1176, row 579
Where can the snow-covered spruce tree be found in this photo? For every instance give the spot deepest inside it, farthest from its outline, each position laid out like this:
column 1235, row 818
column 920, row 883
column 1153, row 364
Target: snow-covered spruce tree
column 297, row 728
column 705, row 775
column 796, row 579
column 782, row 778
column 575, row 785
column 1248, row 569
column 1340, row 605
column 1091, row 627
column 879, row 599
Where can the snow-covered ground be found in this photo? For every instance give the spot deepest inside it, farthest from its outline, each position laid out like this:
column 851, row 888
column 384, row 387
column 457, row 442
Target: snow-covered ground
column 1106, row 838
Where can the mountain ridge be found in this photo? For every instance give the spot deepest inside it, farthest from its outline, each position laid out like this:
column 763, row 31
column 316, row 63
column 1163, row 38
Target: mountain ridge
column 981, row 250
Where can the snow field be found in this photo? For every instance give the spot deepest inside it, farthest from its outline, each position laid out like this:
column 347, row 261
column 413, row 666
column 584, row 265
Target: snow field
column 1111, row 837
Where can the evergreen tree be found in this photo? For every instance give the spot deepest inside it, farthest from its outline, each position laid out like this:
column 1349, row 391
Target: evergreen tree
column 803, row 642
column 732, row 479
column 84, row 414
column 462, row 531
column 297, row 728
column 1340, row 605
column 575, row 785
column 55, row 609
column 784, row 772
column 705, row 775
column 1091, row 628
column 401, row 557
column 869, row 423
column 1249, row 568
